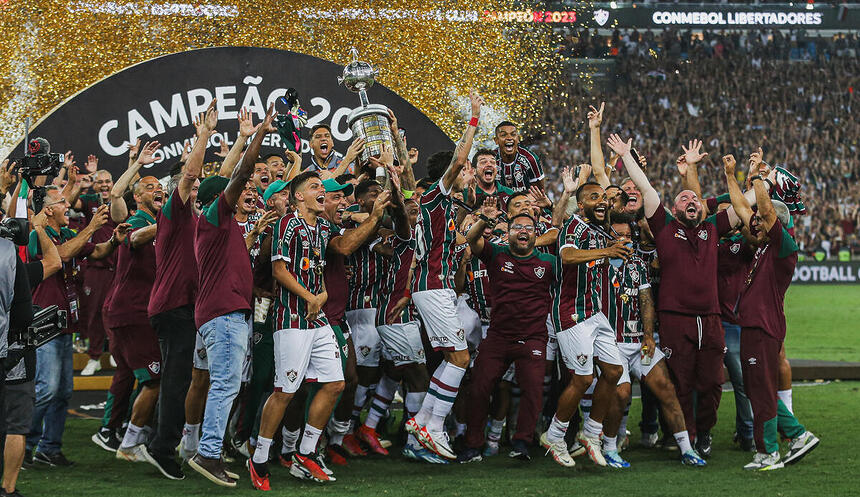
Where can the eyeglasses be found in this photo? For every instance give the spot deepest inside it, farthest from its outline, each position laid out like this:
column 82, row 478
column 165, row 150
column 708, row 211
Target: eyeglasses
column 519, row 227
column 61, row 201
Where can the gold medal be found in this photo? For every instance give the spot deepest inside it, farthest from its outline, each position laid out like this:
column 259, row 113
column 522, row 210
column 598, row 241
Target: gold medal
column 625, row 298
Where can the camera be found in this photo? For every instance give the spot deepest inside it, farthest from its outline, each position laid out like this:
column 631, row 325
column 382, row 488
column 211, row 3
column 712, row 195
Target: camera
column 48, row 323
column 15, row 230
column 39, row 161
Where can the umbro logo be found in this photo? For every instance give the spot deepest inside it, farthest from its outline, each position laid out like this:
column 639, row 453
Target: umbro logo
column 751, row 361
column 537, row 353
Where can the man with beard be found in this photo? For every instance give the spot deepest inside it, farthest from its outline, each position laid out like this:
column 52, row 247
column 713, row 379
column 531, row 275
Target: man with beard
column 223, row 305
column 54, row 374
column 584, row 334
column 486, row 183
column 434, row 295
column 521, row 280
column 690, row 332
column 760, row 313
column 171, row 303
column 325, row 159
column 134, row 344
column 518, row 167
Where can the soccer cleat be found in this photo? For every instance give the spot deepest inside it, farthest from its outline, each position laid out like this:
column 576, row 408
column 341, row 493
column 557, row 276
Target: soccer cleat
column 369, row 436
column 765, row 462
column 385, row 443
column 492, row 449
column 519, row 450
column 649, row 440
column 352, row 447
column 420, row 454
column 469, row 455
column 436, row 442
column 55, row 459
column 558, row 450
column 624, row 443
column 306, row 468
column 800, row 446
column 593, row 448
column 259, row 475
column 136, row 453
column 576, row 449
column 691, row 458
column 167, row 465
column 614, row 460
column 286, row 459
column 336, row 455
column 703, row 444
column 320, row 460
column 91, row 368
column 106, row 439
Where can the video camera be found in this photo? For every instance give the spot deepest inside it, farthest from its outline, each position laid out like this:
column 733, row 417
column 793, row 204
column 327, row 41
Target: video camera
column 37, row 161
column 48, row 323
column 15, row 230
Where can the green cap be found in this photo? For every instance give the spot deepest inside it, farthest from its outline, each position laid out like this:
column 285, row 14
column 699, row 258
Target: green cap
column 210, row 188
column 274, row 188
column 331, row 185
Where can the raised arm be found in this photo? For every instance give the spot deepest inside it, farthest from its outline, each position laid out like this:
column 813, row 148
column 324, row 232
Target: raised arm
column 740, row 211
column 194, row 164
column 692, row 157
column 70, row 249
column 246, row 129
column 72, row 190
column 295, row 165
column 650, row 198
column 407, row 177
column 763, row 202
column 242, row 174
column 570, row 185
column 118, row 209
column 595, row 118
column 355, row 149
column 397, row 210
column 51, row 262
column 488, row 215
column 106, row 248
column 461, row 153
column 354, row 238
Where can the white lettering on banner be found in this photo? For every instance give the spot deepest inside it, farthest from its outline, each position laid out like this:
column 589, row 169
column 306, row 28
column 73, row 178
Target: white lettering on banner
column 836, row 273
column 736, row 18
column 161, row 117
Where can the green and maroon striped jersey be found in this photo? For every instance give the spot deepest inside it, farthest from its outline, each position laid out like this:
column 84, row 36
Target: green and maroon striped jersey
column 368, row 272
column 436, row 236
column 622, row 310
column 247, row 226
column 303, row 248
column 394, row 285
column 477, row 287
column 522, row 172
column 578, row 287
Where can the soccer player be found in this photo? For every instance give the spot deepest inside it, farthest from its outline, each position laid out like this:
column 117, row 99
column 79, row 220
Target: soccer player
column 305, row 344
column 762, row 319
column 518, row 167
column 223, row 305
column 584, row 334
column 521, row 279
column 434, row 296
column 328, row 161
column 487, row 183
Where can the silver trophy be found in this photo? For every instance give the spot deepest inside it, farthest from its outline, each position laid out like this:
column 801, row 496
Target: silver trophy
column 370, row 121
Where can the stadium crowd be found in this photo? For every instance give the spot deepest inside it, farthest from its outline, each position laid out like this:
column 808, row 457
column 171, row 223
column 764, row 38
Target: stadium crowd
column 749, row 94
column 264, row 309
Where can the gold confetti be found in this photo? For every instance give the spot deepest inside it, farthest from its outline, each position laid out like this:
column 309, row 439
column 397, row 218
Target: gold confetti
column 430, row 53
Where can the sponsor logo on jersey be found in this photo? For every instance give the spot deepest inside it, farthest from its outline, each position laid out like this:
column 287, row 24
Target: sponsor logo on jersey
column 306, row 263
column 539, row 271
column 201, row 353
column 451, row 225
column 257, row 337
column 680, row 234
column 536, row 352
column 508, row 267
column 703, row 234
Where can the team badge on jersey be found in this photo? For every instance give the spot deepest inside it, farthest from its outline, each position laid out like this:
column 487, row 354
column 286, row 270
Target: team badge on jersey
column 257, row 337
column 365, row 350
column 634, row 275
column 539, row 271
column 461, row 334
column 667, row 352
column 155, row 367
column 735, row 248
column 703, row 234
column 292, row 375
column 582, row 359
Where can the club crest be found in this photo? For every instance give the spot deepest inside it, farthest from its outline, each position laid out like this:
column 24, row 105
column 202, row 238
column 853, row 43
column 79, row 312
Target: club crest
column 539, row 271
column 735, row 248
column 601, row 16
column 365, row 350
column 292, row 375
column 582, row 359
column 703, row 234
column 461, row 334
column 155, row 367
column 667, row 352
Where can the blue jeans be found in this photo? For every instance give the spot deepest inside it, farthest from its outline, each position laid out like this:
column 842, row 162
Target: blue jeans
column 226, row 340
column 743, row 409
column 54, row 385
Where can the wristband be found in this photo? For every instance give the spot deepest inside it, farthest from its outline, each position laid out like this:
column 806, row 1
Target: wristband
column 490, row 222
column 473, row 122
column 756, row 177
column 769, row 182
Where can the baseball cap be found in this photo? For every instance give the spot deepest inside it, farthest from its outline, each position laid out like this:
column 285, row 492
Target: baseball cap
column 274, row 188
column 331, row 185
column 210, row 188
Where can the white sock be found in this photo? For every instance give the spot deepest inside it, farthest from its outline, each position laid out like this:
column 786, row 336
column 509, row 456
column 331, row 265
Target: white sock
column 191, row 437
column 132, row 433
column 146, row 434
column 358, row 403
column 261, row 455
column 494, row 434
column 591, row 428
column 309, row 440
column 336, row 431
column 448, row 386
column 785, row 397
column 622, row 430
column 683, row 440
column 412, row 402
column 610, row 444
column 289, row 439
column 426, row 411
column 381, row 400
column 556, row 430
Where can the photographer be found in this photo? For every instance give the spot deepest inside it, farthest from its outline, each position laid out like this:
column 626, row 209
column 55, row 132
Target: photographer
column 54, row 371
column 20, row 364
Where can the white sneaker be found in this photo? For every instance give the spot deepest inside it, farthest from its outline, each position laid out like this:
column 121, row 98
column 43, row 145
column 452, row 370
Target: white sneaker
column 649, row 440
column 558, row 450
column 92, row 366
column 132, row 454
column 441, row 444
column 800, row 446
column 765, row 462
column 593, row 447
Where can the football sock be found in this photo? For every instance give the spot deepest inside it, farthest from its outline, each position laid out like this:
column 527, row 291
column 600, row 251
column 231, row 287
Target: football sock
column 556, row 430
column 683, row 441
column 494, row 434
column 380, row 402
column 261, row 455
column 591, row 428
column 358, row 404
column 622, row 430
column 412, row 403
column 146, row 434
column 309, row 440
column 288, row 440
column 610, row 444
column 191, row 437
column 446, row 392
column 131, row 436
column 337, row 430
column 426, row 411
column 785, row 397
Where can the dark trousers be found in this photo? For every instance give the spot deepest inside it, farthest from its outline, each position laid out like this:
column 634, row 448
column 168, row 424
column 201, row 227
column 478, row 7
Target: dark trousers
column 97, row 282
column 495, row 355
column 176, row 336
column 760, row 365
column 694, row 348
column 120, row 392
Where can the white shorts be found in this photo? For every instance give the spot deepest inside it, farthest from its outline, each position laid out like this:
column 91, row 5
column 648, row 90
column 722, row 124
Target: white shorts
column 552, row 340
column 631, row 359
column 365, row 337
column 438, row 309
column 200, row 360
column 401, row 343
column 591, row 338
column 471, row 322
column 306, row 354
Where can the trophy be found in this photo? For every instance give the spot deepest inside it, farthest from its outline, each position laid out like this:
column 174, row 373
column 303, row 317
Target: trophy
column 370, row 121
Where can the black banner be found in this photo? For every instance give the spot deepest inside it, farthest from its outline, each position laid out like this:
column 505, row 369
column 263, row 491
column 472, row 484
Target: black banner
column 831, row 272
column 159, row 98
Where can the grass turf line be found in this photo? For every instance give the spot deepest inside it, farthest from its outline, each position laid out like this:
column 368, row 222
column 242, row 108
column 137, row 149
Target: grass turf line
column 822, row 322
